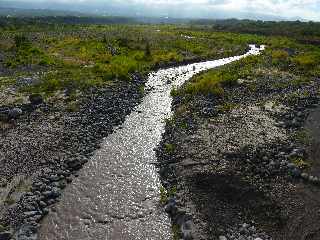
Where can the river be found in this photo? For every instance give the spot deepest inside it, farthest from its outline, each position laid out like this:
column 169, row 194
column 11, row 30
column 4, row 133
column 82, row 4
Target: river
column 116, row 195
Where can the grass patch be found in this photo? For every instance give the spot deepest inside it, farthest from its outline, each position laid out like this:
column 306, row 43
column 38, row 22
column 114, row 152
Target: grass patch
column 213, row 82
column 303, row 137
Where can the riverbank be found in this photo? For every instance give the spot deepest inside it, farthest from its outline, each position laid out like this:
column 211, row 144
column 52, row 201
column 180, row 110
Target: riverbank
column 240, row 165
column 47, row 146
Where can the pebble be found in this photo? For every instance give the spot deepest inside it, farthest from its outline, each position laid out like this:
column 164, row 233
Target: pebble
column 31, row 213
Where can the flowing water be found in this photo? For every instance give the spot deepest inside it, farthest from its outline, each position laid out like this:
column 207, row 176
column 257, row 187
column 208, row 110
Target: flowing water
column 116, row 195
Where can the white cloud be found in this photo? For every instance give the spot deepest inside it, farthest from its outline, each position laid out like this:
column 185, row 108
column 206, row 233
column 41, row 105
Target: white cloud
column 307, row 9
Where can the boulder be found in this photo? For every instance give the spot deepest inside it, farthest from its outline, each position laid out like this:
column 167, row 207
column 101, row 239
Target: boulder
column 35, row 99
column 222, row 238
column 14, row 113
column 5, row 235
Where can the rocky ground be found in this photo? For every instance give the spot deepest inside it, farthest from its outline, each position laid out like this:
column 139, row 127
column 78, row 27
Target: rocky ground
column 245, row 166
column 44, row 144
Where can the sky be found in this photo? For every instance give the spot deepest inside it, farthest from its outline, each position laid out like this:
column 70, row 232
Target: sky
column 291, row 9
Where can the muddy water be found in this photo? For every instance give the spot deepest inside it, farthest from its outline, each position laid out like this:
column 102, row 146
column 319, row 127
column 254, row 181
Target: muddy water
column 116, row 195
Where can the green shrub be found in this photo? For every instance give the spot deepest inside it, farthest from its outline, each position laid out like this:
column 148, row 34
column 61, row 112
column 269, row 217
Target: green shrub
column 307, row 60
column 279, row 57
column 169, row 147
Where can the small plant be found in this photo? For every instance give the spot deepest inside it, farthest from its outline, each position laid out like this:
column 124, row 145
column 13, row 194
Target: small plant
column 183, row 125
column 292, row 98
column 141, row 90
column 169, row 147
column 176, row 232
column 300, row 162
column 3, row 228
column 279, row 56
column 163, row 195
column 170, row 121
column 73, row 106
column 227, row 107
column 9, row 201
column 174, row 92
column 303, row 136
column 166, row 194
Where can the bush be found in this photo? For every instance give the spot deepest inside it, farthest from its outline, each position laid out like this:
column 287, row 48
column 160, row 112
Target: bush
column 307, row 60
column 279, row 56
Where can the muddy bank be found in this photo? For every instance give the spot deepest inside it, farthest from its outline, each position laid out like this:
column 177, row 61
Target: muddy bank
column 245, row 166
